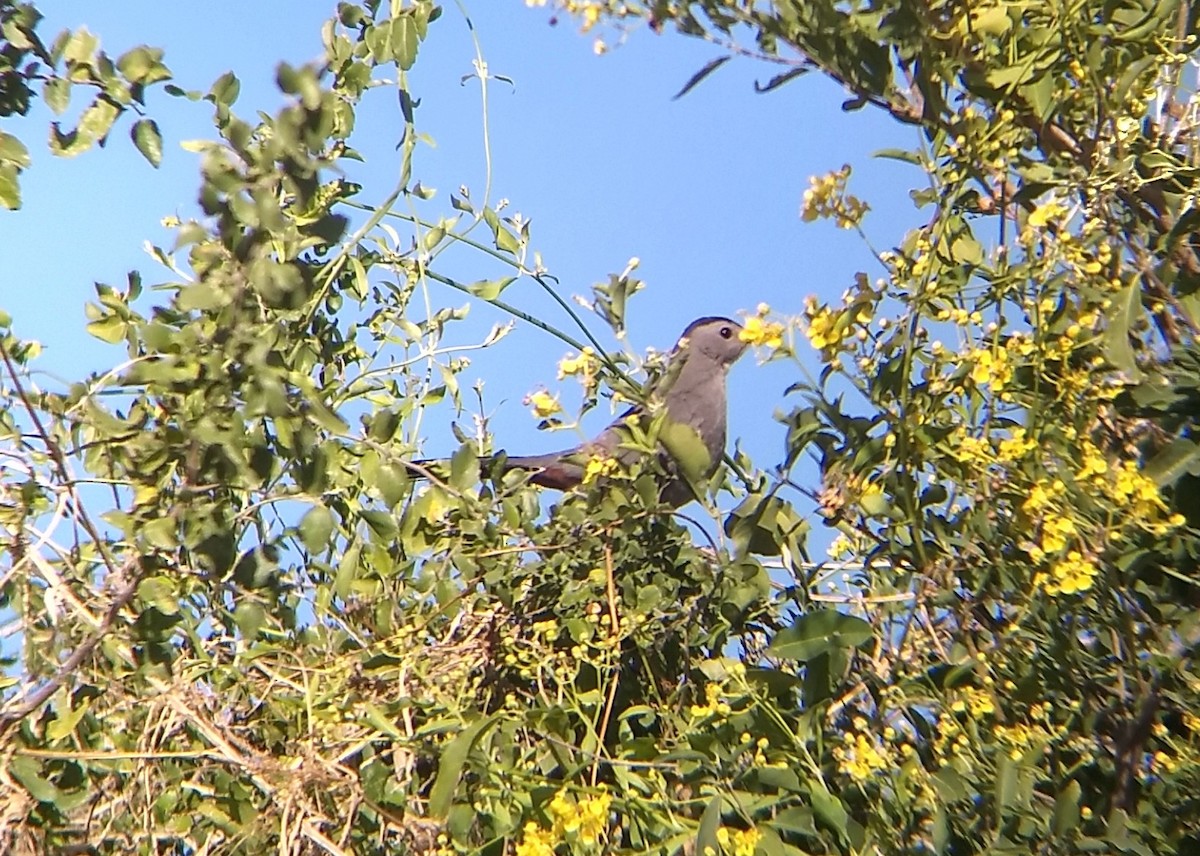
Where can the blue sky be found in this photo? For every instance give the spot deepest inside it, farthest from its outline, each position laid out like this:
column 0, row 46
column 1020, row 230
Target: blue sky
column 705, row 190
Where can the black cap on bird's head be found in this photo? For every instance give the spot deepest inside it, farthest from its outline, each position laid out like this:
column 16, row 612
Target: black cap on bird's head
column 715, row 337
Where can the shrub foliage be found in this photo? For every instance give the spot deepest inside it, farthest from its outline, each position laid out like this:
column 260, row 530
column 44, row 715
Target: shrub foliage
column 245, row 618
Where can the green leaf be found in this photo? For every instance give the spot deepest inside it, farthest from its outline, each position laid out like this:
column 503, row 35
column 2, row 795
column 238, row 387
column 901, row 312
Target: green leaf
column 1066, row 809
column 143, row 65
column 148, row 140
column 765, row 525
column 379, row 42
column 10, row 187
column 1006, row 785
column 393, row 483
column 161, row 533
column 506, row 241
column 688, row 452
column 1126, row 310
column 710, row 822
column 226, row 89
column 780, row 79
column 828, row 809
column 967, row 250
column 1180, row 457
column 404, row 41
column 820, row 631
column 57, row 94
column 381, row 522
column 1040, row 95
column 709, row 67
column 316, row 528
column 159, row 592
column 65, row 720
column 110, row 328
column 950, row 785
column 80, row 47
column 898, row 154
column 28, row 771
column 98, row 119
column 797, row 820
column 450, row 767
column 490, row 289
column 347, row 571
column 249, row 618
column 993, row 21
column 13, row 151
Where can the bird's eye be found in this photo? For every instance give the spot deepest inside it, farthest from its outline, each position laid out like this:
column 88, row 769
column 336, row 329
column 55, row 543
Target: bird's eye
column 726, row 332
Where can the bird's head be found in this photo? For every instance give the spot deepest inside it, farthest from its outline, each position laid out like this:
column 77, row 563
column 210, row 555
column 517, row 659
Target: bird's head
column 714, row 337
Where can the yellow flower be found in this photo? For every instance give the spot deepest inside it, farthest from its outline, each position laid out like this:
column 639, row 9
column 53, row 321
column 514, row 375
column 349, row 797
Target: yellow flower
column 591, row 15
column 827, row 197
column 978, row 702
column 599, row 466
column 1161, row 762
column 585, row 366
column 536, row 841
column 587, row 820
column 823, row 333
column 1044, row 213
column 543, row 403
column 739, row 842
column 1017, row 446
column 757, row 331
column 860, row 758
column 1073, row 574
column 1041, row 496
column 1094, row 463
column 593, row 818
column 992, row 369
column 1055, row 532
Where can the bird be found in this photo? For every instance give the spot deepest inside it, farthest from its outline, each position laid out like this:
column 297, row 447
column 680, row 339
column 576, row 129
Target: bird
column 693, row 394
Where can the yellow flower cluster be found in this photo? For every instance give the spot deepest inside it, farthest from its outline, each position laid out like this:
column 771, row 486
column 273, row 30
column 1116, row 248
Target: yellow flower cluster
column 713, row 704
column 961, row 317
column 1094, row 466
column 991, row 367
column 1056, row 530
column 859, row 757
column 971, row 450
column 1072, row 574
column 738, row 842
column 1016, row 446
column 1139, row 494
column 537, row 841
column 585, row 821
column 823, row 332
column 584, row 365
column 588, row 11
column 913, row 262
column 543, row 404
column 1043, row 496
column 758, row 331
column 1162, row 763
column 598, row 467
column 1133, row 493
column 1045, row 214
column 976, row 702
column 829, row 330
column 1083, row 253
column 827, row 198
column 1019, row 737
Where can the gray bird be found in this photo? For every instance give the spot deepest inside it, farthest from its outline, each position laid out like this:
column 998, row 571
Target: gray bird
column 693, row 394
